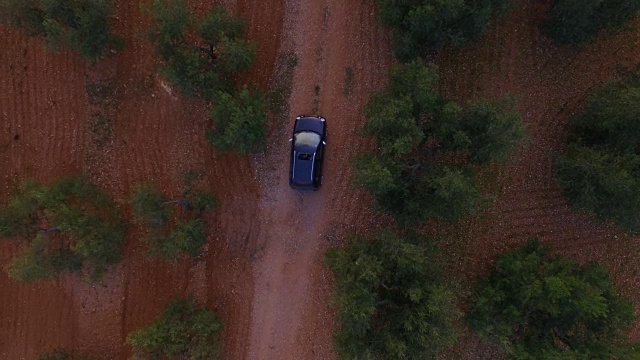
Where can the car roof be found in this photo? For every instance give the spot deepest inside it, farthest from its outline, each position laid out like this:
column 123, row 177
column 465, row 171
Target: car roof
column 303, row 167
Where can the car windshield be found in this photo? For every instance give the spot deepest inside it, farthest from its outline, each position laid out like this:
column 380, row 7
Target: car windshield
column 307, row 138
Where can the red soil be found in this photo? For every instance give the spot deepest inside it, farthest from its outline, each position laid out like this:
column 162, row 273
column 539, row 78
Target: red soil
column 158, row 135
column 262, row 269
column 42, row 116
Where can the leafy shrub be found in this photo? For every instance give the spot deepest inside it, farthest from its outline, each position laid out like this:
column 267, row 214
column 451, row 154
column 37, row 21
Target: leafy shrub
column 185, row 331
column 599, row 171
column 414, row 173
column 200, row 55
column 70, row 225
column 176, row 226
column 239, row 122
column 488, row 131
column 577, row 21
column 82, row 25
column 538, row 306
column 392, row 300
column 426, row 24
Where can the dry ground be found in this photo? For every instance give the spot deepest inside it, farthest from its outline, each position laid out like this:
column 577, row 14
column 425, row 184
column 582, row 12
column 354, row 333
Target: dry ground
column 262, row 268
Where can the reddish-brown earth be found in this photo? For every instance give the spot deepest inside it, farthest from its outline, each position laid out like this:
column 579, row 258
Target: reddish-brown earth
column 262, row 267
column 158, row 135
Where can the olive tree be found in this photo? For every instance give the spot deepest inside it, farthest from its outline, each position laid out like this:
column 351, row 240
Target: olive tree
column 577, row 21
column 539, row 306
column 200, row 54
column 414, row 173
column 426, row 24
column 69, row 225
column 81, row 25
column 176, row 226
column 392, row 299
column 238, row 122
column 185, row 330
column 599, row 171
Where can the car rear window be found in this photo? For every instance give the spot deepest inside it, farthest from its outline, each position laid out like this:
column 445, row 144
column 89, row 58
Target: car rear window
column 307, row 138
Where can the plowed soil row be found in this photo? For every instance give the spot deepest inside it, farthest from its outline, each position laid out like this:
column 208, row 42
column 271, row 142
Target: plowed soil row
column 157, row 136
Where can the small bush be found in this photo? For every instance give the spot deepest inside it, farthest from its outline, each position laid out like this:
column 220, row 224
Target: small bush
column 200, row 55
column 70, row 225
column 578, row 21
column 427, row 24
column 538, row 306
column 185, row 331
column 175, row 226
column 416, row 171
column 238, row 122
column 599, row 171
column 81, row 25
column 392, row 300
column 489, row 131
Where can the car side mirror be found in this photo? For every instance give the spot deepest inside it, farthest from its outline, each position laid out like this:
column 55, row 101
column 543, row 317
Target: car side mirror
column 324, row 142
column 290, row 140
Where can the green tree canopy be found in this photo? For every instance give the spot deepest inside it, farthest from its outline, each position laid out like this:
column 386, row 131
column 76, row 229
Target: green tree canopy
column 392, row 300
column 175, row 226
column 200, row 55
column 489, row 131
column 69, row 225
column 185, row 331
column 539, row 306
column 81, row 25
column 415, row 172
column 577, row 21
column 238, row 122
column 599, row 171
column 419, row 25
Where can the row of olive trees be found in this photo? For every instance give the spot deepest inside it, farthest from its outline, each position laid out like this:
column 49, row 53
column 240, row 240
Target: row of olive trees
column 599, row 171
column 394, row 302
column 429, row 148
column 73, row 226
column 419, row 26
column 201, row 56
column 185, row 330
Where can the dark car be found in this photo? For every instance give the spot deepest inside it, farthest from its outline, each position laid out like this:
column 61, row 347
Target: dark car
column 307, row 152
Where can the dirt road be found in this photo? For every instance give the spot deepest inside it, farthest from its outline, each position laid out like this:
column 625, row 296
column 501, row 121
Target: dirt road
column 341, row 58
